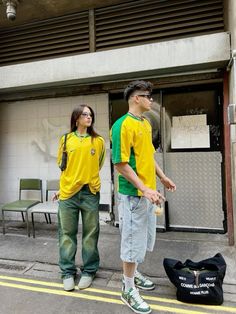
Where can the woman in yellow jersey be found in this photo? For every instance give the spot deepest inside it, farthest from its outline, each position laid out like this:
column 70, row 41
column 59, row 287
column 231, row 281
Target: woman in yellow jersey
column 79, row 192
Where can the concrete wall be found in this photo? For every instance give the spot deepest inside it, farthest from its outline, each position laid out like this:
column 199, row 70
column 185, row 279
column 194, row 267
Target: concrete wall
column 230, row 20
column 187, row 54
column 30, row 132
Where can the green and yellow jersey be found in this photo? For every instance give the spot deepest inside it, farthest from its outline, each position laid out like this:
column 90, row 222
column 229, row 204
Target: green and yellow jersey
column 85, row 158
column 132, row 143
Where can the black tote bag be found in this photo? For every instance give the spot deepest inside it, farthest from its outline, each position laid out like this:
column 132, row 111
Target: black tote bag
column 197, row 282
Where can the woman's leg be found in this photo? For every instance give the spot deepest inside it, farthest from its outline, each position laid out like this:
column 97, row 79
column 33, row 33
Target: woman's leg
column 68, row 215
column 90, row 220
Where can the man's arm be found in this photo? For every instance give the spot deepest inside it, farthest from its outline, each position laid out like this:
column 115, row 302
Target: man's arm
column 168, row 183
column 129, row 174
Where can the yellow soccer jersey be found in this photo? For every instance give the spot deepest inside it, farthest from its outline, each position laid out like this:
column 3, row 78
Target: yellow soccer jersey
column 85, row 159
column 132, row 143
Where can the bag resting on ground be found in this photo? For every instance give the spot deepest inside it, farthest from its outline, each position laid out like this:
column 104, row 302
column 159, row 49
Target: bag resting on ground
column 199, row 282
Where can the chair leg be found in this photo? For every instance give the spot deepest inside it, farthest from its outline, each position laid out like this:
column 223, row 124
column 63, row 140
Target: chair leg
column 27, row 224
column 3, row 223
column 46, row 217
column 32, row 220
column 22, row 216
column 49, row 219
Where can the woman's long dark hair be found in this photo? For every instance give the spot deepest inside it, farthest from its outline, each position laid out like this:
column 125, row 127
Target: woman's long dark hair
column 75, row 116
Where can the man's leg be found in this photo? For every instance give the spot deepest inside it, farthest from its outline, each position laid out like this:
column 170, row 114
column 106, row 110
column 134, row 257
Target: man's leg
column 130, row 295
column 140, row 281
column 133, row 219
column 128, row 273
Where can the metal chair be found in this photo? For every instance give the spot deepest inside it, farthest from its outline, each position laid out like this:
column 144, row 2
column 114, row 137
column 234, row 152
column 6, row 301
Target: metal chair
column 47, row 207
column 23, row 205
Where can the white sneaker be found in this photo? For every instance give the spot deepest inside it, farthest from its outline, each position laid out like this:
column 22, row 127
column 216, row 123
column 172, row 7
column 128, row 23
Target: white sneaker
column 85, row 281
column 69, row 283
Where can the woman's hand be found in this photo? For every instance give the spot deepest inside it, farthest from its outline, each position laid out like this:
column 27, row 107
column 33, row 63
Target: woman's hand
column 55, row 196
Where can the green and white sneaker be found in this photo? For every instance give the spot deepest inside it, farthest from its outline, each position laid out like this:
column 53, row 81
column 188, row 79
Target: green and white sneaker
column 135, row 302
column 142, row 282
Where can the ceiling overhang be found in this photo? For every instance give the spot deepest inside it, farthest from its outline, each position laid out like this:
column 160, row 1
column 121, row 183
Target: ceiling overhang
column 28, row 11
column 198, row 53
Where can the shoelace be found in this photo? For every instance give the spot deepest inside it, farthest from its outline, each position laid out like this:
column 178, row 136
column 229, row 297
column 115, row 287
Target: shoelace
column 140, row 276
column 137, row 296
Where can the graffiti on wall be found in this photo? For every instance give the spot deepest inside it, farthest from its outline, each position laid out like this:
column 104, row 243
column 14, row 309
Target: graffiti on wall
column 47, row 142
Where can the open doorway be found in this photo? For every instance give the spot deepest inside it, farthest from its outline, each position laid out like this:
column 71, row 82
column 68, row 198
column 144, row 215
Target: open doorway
column 193, row 157
column 196, row 168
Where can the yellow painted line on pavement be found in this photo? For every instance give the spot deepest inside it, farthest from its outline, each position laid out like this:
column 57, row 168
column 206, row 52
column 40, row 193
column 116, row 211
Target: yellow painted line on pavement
column 35, row 282
column 59, row 292
column 210, row 307
column 114, row 293
column 92, row 297
column 175, row 310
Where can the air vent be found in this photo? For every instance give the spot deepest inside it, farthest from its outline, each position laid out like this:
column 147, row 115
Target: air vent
column 140, row 22
column 127, row 24
column 45, row 39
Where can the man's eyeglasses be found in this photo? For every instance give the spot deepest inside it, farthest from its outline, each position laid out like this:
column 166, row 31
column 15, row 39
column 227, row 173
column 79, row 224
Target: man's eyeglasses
column 86, row 114
column 148, row 96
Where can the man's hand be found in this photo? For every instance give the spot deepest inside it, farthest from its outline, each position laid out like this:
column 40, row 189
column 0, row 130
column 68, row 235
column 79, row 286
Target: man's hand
column 153, row 196
column 168, row 183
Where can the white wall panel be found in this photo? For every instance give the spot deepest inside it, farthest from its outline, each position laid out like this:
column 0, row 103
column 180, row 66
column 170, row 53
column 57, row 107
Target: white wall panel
column 30, row 133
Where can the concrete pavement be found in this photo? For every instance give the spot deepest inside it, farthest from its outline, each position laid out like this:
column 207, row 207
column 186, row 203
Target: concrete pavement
column 38, row 257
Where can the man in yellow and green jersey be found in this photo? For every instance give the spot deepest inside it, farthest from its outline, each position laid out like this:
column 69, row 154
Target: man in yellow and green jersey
column 133, row 157
column 133, row 136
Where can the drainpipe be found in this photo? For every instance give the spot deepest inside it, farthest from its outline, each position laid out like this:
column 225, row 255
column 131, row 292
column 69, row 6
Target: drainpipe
column 229, row 149
column 233, row 162
column 232, row 61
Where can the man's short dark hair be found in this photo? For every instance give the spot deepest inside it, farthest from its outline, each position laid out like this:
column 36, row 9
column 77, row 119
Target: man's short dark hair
column 137, row 86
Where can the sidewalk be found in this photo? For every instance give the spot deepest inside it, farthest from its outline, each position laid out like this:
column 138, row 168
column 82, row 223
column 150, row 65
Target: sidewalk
column 38, row 257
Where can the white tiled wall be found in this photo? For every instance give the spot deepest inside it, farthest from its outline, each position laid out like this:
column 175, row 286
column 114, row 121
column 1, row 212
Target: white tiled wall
column 29, row 136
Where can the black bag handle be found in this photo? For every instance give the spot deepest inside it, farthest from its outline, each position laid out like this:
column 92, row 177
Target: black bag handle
column 64, row 155
column 216, row 262
column 64, row 145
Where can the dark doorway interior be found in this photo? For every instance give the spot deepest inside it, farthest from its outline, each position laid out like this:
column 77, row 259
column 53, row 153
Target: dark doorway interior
column 197, row 205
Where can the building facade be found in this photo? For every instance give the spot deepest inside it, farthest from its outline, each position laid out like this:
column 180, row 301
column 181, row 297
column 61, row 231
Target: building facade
column 86, row 53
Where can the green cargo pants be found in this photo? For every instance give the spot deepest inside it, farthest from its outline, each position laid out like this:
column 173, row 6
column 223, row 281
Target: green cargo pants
column 68, row 217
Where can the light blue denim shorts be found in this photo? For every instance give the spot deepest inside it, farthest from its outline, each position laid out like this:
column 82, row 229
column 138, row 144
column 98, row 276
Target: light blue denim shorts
column 137, row 223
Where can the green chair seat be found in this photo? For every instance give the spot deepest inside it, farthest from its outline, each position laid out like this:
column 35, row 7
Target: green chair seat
column 23, row 205
column 20, row 205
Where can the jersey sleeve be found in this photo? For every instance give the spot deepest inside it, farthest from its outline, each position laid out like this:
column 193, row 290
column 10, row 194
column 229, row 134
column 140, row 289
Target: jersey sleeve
column 149, row 126
column 60, row 150
column 122, row 142
column 102, row 154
